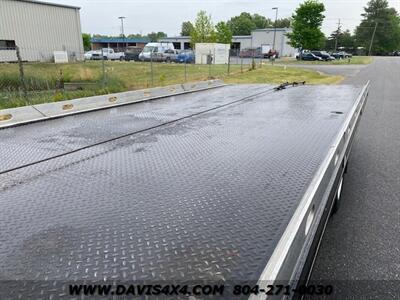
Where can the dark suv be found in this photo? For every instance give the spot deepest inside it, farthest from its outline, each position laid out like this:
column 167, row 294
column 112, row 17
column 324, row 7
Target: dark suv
column 132, row 53
column 341, row 55
column 324, row 55
column 309, row 56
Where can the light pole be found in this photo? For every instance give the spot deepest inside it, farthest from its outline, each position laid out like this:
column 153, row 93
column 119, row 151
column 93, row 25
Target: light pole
column 276, row 19
column 122, row 29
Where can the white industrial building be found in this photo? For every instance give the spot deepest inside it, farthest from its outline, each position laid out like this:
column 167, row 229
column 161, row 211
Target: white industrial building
column 259, row 38
column 38, row 29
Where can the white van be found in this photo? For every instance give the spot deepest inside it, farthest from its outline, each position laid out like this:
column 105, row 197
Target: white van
column 155, row 51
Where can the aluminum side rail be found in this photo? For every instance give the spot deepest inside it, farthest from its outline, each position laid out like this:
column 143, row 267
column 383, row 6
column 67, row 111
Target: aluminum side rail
column 290, row 256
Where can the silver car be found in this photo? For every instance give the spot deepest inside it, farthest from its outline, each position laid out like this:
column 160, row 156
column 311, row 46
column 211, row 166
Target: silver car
column 170, row 55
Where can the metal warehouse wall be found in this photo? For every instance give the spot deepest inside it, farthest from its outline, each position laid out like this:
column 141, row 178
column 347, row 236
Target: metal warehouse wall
column 257, row 38
column 266, row 37
column 39, row 29
column 245, row 42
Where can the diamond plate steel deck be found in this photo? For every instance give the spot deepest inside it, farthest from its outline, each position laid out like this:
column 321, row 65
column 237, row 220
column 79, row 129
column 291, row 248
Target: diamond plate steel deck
column 34, row 142
column 207, row 197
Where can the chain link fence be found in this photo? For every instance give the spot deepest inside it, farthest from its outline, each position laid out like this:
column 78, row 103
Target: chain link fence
column 26, row 82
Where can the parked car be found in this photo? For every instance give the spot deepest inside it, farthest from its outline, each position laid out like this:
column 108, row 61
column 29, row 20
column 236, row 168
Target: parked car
column 132, row 53
column 108, row 54
column 310, row 57
column 88, row 54
column 185, row 56
column 155, row 51
column 324, row 55
column 298, row 54
column 342, row 55
column 170, row 55
column 396, row 53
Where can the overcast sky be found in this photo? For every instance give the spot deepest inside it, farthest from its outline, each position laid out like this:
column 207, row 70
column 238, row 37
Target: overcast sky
column 144, row 16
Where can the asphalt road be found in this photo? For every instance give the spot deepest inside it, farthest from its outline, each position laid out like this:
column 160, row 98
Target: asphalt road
column 360, row 251
column 344, row 70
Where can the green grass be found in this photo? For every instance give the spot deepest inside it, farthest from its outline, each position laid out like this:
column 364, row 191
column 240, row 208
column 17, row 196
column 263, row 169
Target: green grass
column 355, row 60
column 279, row 74
column 42, row 79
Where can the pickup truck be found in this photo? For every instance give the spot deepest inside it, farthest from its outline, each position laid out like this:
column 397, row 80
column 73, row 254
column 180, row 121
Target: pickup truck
column 271, row 53
column 108, row 54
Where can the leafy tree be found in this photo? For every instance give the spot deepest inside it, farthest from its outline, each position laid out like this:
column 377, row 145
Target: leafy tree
column 155, row 36
column 86, row 41
column 96, row 35
column 186, row 28
column 261, row 22
column 283, row 23
column 245, row 23
column 345, row 40
column 330, row 42
column 387, row 23
column 242, row 24
column 306, row 24
column 135, row 35
column 203, row 30
column 224, row 33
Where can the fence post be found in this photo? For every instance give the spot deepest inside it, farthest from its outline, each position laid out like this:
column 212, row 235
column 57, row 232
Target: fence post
column 209, row 61
column 185, row 69
column 151, row 69
column 103, row 68
column 21, row 74
column 241, row 65
column 253, row 62
column 229, row 63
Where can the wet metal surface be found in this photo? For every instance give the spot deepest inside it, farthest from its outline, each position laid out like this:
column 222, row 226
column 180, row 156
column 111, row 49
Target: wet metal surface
column 34, row 142
column 207, row 197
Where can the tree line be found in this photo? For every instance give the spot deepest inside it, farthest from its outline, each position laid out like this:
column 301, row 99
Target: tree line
column 378, row 33
column 243, row 24
column 204, row 31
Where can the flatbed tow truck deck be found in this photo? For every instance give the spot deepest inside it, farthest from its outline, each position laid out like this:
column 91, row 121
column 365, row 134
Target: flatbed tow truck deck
column 231, row 184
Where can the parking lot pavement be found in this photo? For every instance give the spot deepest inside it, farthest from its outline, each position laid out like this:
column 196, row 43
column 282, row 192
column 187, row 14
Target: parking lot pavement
column 360, row 251
column 344, row 70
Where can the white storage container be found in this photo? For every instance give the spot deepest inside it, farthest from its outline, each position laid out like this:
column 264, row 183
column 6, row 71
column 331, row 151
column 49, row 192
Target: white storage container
column 218, row 52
